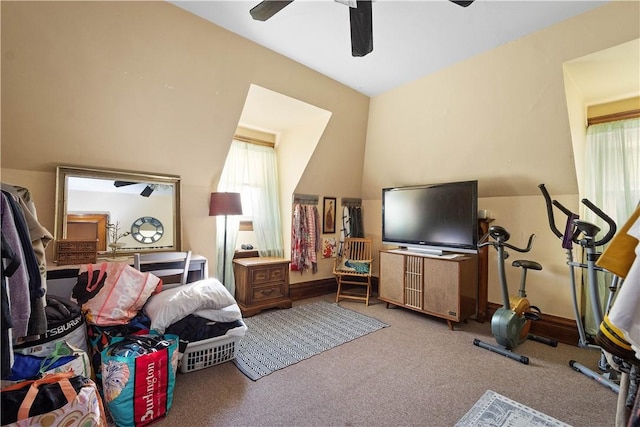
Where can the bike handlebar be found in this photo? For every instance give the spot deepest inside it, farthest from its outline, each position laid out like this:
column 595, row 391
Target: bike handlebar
column 496, row 243
column 527, row 249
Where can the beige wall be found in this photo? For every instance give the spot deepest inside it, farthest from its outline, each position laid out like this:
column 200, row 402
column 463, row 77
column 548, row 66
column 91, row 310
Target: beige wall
column 146, row 86
column 500, row 117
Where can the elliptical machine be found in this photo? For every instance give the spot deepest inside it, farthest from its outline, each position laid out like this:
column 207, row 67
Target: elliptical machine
column 584, row 234
column 510, row 324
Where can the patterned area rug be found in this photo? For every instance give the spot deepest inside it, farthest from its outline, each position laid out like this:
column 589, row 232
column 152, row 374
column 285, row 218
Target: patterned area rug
column 496, row 410
column 277, row 339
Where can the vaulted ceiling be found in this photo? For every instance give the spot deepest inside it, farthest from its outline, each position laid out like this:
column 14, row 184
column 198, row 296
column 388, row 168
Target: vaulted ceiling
column 410, row 38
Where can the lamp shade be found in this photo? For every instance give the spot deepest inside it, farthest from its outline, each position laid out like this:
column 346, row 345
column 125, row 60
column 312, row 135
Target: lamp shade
column 225, row 204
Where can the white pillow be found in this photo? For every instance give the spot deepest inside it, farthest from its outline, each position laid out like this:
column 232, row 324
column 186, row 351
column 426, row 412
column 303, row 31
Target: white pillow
column 225, row 315
column 167, row 307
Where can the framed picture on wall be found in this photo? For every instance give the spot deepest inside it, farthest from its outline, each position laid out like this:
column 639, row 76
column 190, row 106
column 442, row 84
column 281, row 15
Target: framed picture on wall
column 329, row 215
column 329, row 247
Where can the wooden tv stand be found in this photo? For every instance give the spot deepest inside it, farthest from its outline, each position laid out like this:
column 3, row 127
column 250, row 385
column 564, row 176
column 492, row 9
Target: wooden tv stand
column 444, row 287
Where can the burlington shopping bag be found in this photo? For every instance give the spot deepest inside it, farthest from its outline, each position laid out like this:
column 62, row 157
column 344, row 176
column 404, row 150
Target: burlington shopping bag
column 100, row 337
column 138, row 377
column 56, row 400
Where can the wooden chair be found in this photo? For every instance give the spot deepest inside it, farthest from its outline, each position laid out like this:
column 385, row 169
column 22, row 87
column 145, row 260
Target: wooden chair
column 171, row 267
column 354, row 269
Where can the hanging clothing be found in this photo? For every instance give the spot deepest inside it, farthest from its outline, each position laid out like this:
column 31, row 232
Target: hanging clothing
column 345, row 231
column 357, row 226
column 40, row 236
column 305, row 244
column 352, row 225
column 315, row 246
column 18, row 281
column 10, row 262
column 297, row 231
column 37, row 323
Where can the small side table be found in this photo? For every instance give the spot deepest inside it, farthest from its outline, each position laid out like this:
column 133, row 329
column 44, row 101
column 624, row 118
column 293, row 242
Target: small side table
column 261, row 283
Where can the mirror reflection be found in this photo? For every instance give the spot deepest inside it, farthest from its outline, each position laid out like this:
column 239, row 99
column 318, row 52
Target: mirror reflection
column 147, row 230
column 118, row 209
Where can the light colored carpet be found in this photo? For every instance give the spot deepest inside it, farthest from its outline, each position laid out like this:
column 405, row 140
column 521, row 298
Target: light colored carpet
column 417, row 372
column 495, row 410
column 277, row 339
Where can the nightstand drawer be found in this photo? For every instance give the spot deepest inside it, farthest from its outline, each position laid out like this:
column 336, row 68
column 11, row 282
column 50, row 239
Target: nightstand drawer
column 267, row 275
column 263, row 293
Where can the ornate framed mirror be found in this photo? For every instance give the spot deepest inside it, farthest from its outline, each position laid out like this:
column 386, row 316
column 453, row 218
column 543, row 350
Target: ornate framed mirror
column 144, row 206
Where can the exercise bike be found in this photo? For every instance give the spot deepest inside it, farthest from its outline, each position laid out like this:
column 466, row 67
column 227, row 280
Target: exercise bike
column 584, row 233
column 510, row 324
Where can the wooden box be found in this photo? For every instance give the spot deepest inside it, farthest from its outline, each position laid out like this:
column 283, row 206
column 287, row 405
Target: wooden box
column 71, row 252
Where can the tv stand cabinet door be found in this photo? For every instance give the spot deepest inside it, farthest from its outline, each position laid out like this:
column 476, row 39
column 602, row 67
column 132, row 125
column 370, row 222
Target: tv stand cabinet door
column 450, row 287
column 391, row 283
column 441, row 288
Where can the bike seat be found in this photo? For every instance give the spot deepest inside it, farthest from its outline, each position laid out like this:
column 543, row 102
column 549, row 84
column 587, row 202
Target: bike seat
column 499, row 233
column 526, row 264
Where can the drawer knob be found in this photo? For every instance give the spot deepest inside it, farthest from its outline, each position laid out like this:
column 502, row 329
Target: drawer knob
column 267, row 292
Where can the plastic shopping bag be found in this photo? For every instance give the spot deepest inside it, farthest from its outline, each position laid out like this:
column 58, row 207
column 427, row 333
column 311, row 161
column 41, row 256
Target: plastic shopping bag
column 138, row 377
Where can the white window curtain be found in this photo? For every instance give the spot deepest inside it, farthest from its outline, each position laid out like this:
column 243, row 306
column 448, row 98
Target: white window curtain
column 251, row 169
column 612, row 183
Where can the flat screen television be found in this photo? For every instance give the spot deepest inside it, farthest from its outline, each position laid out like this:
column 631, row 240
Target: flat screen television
column 434, row 218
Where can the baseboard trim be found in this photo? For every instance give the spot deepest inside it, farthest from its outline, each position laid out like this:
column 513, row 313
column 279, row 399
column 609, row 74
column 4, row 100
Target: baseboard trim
column 314, row 288
column 559, row 328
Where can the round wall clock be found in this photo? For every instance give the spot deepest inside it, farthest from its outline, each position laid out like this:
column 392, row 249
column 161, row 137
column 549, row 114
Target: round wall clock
column 147, row 229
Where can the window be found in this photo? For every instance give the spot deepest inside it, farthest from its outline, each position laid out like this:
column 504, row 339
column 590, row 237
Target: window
column 612, row 169
column 251, row 170
column 612, row 183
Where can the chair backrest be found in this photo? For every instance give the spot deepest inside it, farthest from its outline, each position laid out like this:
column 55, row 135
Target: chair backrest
column 171, row 267
column 357, row 249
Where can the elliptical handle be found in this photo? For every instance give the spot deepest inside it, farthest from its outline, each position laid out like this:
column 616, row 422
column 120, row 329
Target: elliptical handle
column 610, row 222
column 564, row 210
column 547, row 199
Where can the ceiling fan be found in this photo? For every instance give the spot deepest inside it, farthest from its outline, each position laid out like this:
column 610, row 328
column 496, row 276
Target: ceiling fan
column 360, row 17
column 146, row 192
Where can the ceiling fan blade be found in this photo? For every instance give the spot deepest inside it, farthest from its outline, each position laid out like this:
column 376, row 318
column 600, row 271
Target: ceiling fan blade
column 267, row 8
column 118, row 184
column 361, row 28
column 462, row 2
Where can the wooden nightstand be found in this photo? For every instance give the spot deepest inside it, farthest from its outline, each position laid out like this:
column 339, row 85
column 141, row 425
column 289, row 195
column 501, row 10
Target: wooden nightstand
column 261, row 283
